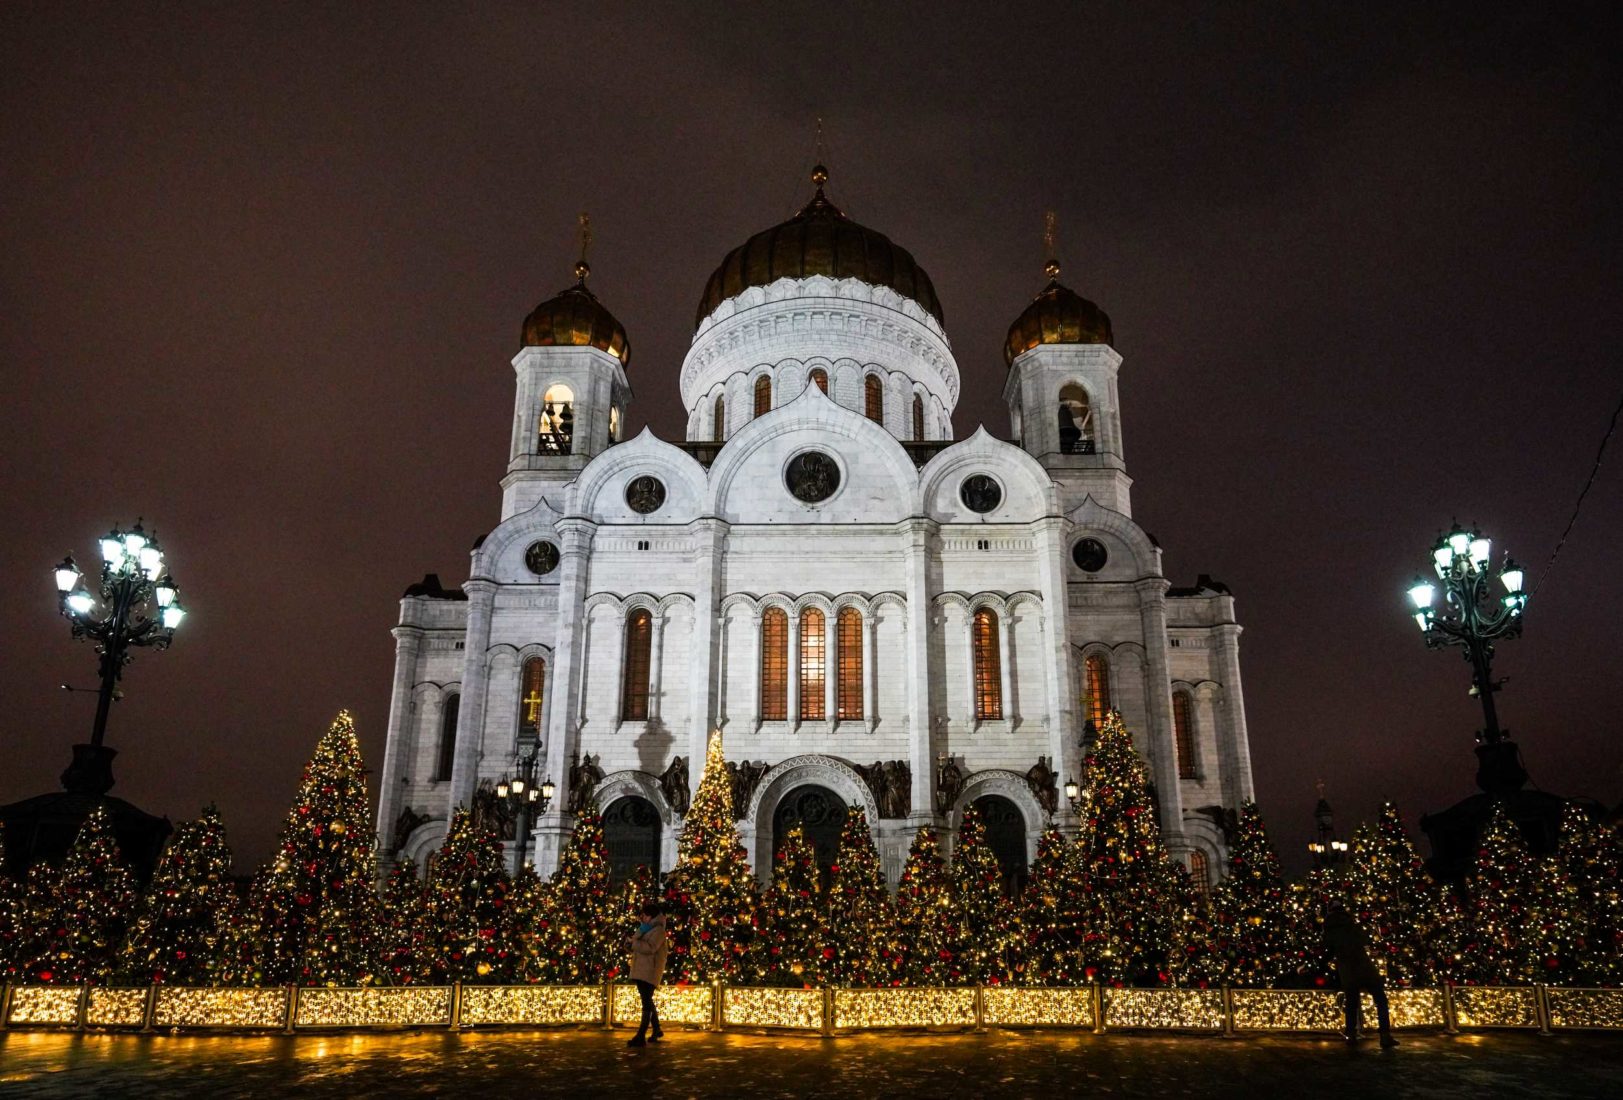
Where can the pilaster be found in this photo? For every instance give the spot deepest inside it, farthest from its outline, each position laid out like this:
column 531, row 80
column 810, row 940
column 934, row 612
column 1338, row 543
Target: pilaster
column 1236, row 737
column 470, row 725
column 563, row 711
column 1063, row 728
column 921, row 748
column 408, row 645
column 1152, row 606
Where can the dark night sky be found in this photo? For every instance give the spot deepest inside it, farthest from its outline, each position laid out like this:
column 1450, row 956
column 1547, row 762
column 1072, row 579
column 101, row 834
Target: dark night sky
column 263, row 271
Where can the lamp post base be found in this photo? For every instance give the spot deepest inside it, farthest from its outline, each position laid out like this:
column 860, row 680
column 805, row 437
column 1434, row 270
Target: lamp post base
column 91, row 771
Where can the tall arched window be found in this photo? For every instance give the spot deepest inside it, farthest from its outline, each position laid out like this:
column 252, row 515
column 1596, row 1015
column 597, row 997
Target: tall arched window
column 1200, row 874
column 873, row 399
column 988, row 666
column 1183, row 732
column 820, row 377
column 813, row 665
column 774, row 665
column 557, row 426
column 531, row 698
column 634, row 670
column 1095, row 690
column 718, row 427
column 848, row 691
column 1075, row 421
column 447, row 747
column 918, row 417
column 763, row 395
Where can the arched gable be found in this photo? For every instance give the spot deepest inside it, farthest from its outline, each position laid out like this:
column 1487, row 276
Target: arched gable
column 803, row 771
column 634, row 784
column 500, row 556
column 599, row 492
column 1120, row 534
column 1028, row 492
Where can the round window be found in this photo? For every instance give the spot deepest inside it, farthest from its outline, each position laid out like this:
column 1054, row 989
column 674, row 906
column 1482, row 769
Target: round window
column 645, row 494
column 980, row 493
column 812, row 477
column 541, row 557
column 1090, row 555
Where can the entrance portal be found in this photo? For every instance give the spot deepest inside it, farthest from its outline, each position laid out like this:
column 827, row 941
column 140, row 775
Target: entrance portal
column 820, row 813
column 1006, row 835
column 631, row 831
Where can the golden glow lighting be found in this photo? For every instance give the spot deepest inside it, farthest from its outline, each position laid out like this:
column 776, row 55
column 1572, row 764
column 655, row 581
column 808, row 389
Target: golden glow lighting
column 1591, row 1008
column 44, row 1006
column 1002, row 1006
column 876, row 1008
column 794, row 1008
column 1495, row 1006
column 494, row 1005
column 1181, row 1009
column 409, row 1006
column 677, row 1004
column 116, row 1007
column 179, row 1006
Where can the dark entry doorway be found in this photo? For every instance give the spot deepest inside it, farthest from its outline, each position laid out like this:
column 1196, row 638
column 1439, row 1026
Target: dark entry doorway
column 820, row 813
column 631, row 829
column 1006, row 834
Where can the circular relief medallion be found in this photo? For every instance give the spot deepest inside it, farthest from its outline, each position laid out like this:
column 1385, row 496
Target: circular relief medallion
column 645, row 494
column 541, row 558
column 812, row 477
column 1090, row 555
column 980, row 493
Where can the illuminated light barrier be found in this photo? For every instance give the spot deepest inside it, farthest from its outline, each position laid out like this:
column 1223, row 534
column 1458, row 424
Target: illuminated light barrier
column 181, row 1006
column 1584, row 1008
column 1158, row 1009
column 495, row 1005
column 917, row 1007
column 44, row 1006
column 399, row 1006
column 1002, row 1006
column 677, row 1004
column 1496, row 1006
column 775, row 1007
column 123, row 1007
column 1321, row 1010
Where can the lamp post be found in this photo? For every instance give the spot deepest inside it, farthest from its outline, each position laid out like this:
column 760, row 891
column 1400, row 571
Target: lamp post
column 1473, row 615
column 135, row 603
column 523, row 797
column 1073, row 795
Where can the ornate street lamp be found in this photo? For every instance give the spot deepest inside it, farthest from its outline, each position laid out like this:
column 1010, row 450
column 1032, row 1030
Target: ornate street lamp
column 1073, row 794
column 523, row 798
column 134, row 603
column 1474, row 614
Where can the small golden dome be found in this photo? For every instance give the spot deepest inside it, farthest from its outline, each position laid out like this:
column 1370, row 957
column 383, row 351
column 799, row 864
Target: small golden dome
column 820, row 240
column 575, row 318
column 1058, row 315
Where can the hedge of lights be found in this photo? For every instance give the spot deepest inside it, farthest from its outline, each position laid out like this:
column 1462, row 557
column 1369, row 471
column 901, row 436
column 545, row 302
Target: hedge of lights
column 827, row 1011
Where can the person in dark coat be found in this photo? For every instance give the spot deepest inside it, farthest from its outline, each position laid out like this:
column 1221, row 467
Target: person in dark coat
column 1356, row 972
column 648, row 950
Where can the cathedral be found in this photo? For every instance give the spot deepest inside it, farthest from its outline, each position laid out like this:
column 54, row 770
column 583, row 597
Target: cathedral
column 874, row 614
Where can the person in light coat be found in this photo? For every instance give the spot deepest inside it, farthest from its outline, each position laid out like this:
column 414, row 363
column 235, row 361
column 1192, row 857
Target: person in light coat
column 648, row 951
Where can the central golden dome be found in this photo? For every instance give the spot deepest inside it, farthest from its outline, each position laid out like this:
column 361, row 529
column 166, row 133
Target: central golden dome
column 575, row 318
column 820, row 240
column 1058, row 315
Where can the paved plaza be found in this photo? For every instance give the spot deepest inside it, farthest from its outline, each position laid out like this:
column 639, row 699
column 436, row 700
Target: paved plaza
column 1003, row 1064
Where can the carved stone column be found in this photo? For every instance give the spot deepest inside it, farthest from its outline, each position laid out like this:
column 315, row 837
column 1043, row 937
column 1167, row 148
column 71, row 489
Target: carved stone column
column 1152, row 608
column 920, row 533
column 400, row 742
column 1235, row 736
column 470, row 726
column 1064, row 736
column 563, row 711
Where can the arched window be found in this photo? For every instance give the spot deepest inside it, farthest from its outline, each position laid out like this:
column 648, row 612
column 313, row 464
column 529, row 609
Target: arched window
column 988, row 666
column 848, row 692
column 763, row 395
column 634, row 682
column 918, row 417
column 1095, row 690
column 1183, row 732
column 774, row 665
column 531, row 698
column 557, row 421
column 614, row 423
column 813, row 664
column 718, row 427
column 447, row 754
column 820, row 377
column 1075, row 421
column 1200, row 874
column 873, row 399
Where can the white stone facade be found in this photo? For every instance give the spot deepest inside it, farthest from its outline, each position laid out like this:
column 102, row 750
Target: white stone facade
column 895, row 542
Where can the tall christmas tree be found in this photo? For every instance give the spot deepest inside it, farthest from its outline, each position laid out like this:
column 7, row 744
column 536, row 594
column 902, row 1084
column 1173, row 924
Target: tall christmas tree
column 792, row 943
column 1252, row 917
column 859, row 916
column 402, row 936
column 178, row 930
column 311, row 916
column 636, row 890
column 1195, row 961
column 986, row 917
column 1499, row 896
column 1393, row 898
column 1131, row 892
column 11, row 918
column 1590, row 859
column 710, row 896
column 1053, row 916
column 470, row 928
column 1306, row 961
column 580, row 941
column 78, row 917
column 531, row 914
column 1449, row 939
column 925, row 943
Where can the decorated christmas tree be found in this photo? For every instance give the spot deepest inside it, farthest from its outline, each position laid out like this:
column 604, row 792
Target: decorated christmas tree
column 1306, row 961
column 1590, row 860
column 1131, row 891
column 925, row 943
column 629, row 901
column 859, row 913
column 1195, row 961
column 1252, row 915
column 1499, row 898
column 77, row 918
column 792, row 940
column 579, row 944
column 11, row 918
column 1448, row 939
column 710, row 896
column 466, row 908
column 986, row 918
column 311, row 916
column 1393, row 897
column 1049, row 949
column 178, row 930
column 402, row 936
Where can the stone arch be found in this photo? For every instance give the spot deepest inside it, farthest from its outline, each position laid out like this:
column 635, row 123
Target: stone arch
column 1028, row 492
column 857, row 600
column 883, row 599
column 819, row 600
column 634, row 784
column 423, row 841
column 1013, row 786
column 1200, row 832
column 741, row 599
column 499, row 556
column 799, row 771
column 685, row 479
column 1090, row 515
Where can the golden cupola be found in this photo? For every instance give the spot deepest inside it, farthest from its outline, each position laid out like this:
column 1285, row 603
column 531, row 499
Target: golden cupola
column 820, row 240
column 575, row 318
column 1057, row 315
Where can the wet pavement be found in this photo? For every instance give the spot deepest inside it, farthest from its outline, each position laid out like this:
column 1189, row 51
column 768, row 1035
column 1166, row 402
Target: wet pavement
column 592, row 1063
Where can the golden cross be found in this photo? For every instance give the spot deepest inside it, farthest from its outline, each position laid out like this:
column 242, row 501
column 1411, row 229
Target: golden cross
column 533, row 702
column 1051, row 243
column 582, row 268
column 1320, row 786
column 817, row 154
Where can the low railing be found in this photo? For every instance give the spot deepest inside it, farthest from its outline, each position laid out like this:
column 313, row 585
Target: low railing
column 823, row 1011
